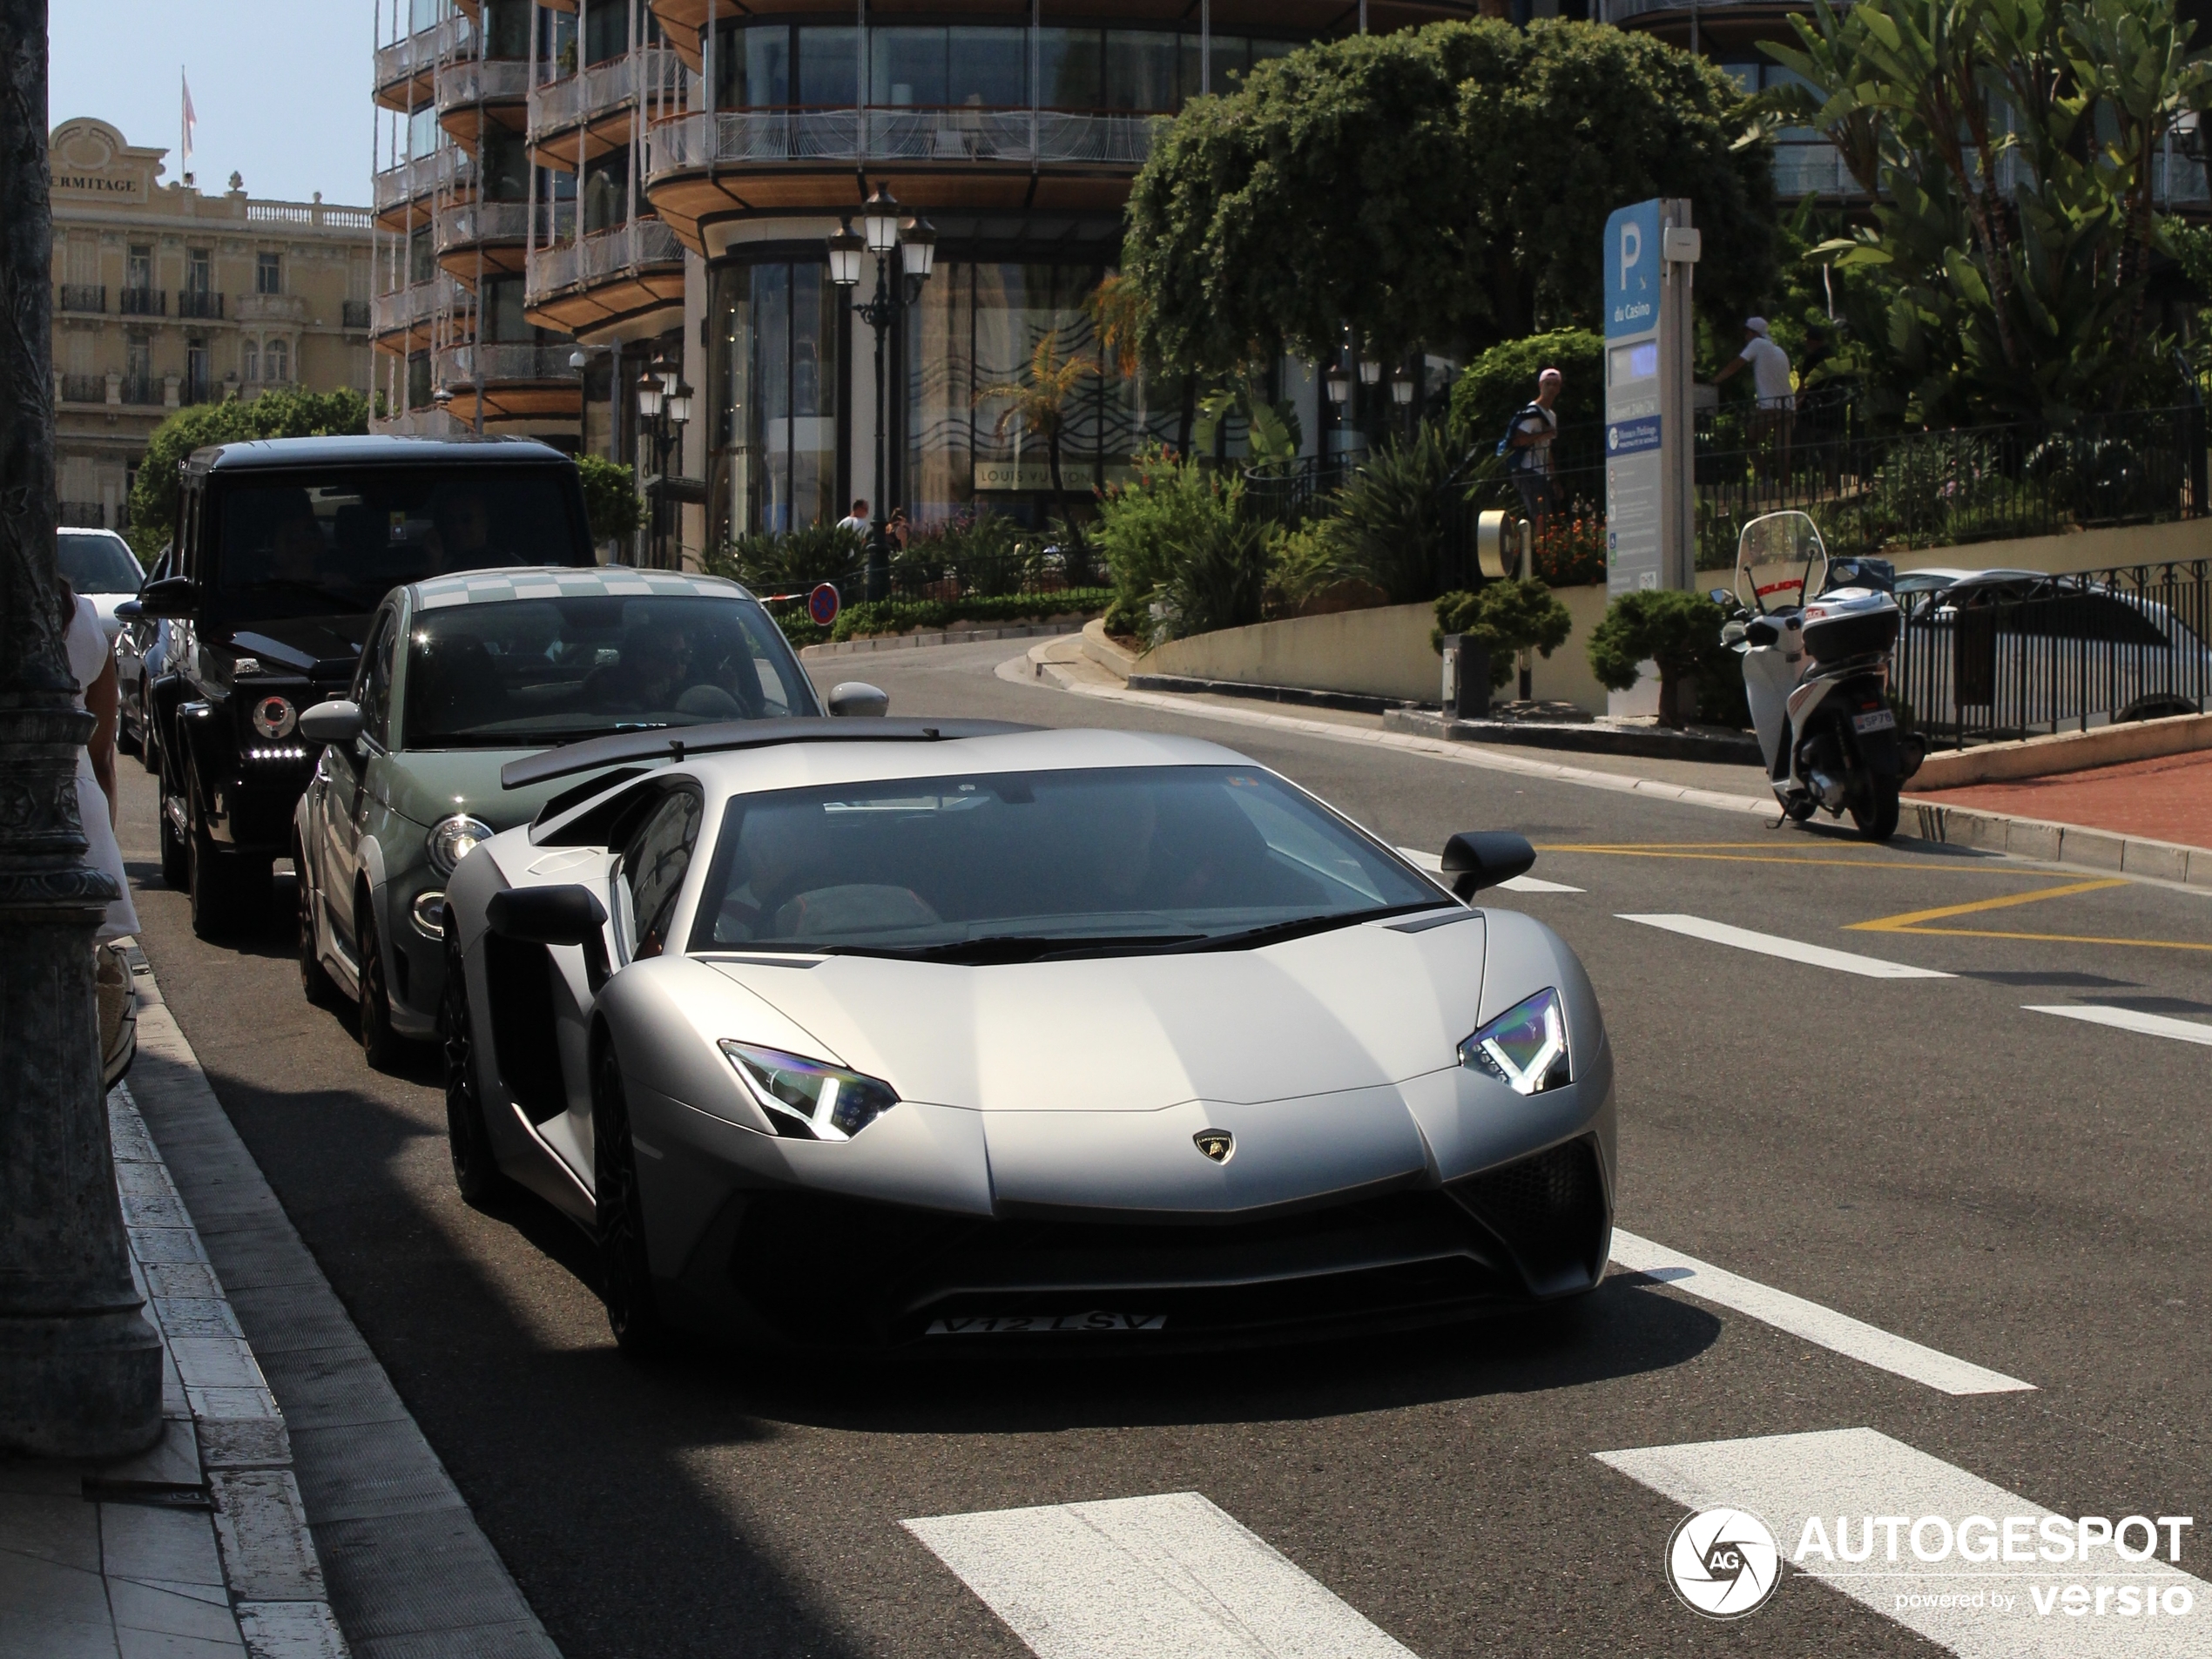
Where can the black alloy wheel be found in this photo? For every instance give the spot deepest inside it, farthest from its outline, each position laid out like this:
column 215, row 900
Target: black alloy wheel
column 149, row 746
column 626, row 1284
column 315, row 983
column 475, row 1169
column 382, row 1046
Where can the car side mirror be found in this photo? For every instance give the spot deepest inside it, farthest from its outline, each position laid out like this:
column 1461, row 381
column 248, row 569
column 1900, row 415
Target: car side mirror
column 173, row 597
column 337, row 721
column 1478, row 859
column 128, row 611
column 857, row 699
column 564, row 915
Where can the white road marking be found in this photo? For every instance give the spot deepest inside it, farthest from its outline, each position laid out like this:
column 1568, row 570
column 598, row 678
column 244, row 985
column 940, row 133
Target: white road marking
column 1165, row 1577
column 1842, row 962
column 1810, row 1322
column 1854, row 1474
column 2150, row 1025
column 1434, row 866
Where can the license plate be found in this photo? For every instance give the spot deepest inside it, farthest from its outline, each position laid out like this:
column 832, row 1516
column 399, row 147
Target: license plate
column 1874, row 720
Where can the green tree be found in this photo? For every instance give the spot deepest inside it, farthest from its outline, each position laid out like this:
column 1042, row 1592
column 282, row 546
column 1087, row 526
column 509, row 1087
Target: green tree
column 1446, row 185
column 609, row 498
column 2010, row 145
column 1681, row 632
column 1498, row 382
column 1175, row 536
column 1039, row 402
column 1505, row 617
column 284, row 414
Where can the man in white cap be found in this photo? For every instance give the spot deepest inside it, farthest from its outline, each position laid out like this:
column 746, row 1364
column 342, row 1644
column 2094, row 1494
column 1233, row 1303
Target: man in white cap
column 1775, row 409
column 1527, row 447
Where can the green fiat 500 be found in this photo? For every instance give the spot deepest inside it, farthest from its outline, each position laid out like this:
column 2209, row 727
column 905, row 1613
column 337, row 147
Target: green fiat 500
column 460, row 674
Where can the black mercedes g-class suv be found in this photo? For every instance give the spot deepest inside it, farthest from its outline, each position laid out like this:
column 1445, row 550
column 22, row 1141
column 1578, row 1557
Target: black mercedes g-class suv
column 284, row 547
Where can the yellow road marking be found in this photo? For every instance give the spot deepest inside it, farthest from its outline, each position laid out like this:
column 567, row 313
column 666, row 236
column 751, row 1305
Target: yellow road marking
column 1910, row 922
column 1667, row 851
column 1913, row 921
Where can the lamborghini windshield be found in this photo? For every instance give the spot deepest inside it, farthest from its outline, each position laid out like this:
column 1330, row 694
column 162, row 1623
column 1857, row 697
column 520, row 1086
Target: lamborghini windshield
column 522, row 673
column 1018, row 866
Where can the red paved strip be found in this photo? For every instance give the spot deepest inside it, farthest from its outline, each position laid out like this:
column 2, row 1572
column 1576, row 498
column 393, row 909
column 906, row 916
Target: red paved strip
column 2167, row 800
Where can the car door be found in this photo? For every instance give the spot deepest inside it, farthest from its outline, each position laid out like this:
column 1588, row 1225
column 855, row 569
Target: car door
column 645, row 883
column 340, row 786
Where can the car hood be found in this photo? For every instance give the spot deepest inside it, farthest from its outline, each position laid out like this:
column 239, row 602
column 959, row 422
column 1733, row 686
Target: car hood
column 428, row 785
column 1360, row 1006
column 320, row 647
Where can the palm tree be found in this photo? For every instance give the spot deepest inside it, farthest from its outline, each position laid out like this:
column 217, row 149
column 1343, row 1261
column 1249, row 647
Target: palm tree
column 1041, row 402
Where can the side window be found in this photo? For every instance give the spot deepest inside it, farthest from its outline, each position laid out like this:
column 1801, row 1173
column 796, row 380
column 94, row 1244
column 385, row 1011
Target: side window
column 654, row 865
column 373, row 679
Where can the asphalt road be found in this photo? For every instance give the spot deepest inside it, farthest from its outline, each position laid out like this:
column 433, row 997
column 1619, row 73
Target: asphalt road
column 2020, row 1190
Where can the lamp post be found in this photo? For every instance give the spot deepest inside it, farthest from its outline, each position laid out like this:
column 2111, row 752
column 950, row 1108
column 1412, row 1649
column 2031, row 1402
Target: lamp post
column 664, row 410
column 882, row 233
column 1401, row 393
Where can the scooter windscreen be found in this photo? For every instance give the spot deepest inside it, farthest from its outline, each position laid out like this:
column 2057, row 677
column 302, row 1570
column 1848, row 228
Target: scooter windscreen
column 1780, row 563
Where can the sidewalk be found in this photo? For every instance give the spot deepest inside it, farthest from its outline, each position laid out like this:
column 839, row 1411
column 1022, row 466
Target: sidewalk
column 200, row 1546
column 2166, row 799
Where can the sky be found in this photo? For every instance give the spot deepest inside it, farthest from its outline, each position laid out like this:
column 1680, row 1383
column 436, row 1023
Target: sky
column 280, row 86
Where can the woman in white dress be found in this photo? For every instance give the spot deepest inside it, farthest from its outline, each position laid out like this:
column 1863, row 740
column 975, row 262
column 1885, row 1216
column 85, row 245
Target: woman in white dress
column 91, row 664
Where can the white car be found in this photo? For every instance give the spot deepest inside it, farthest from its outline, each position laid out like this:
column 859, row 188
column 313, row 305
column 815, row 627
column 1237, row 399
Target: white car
column 874, row 1032
column 100, row 565
column 2004, row 652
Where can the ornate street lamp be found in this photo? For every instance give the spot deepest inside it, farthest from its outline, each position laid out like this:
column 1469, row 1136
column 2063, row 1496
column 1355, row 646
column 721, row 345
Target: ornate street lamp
column 1402, row 387
column 648, row 395
column 915, row 242
column 1338, row 381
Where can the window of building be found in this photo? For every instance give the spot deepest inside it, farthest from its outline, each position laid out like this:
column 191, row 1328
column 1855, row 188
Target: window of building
column 753, row 69
column 418, row 380
column 138, row 267
column 499, row 306
column 268, row 273
column 606, row 191
column 1068, row 68
column 199, row 384
column 606, row 32
column 507, row 27
column 828, row 67
column 1140, row 69
column 276, row 362
column 773, row 389
column 249, row 360
column 422, row 255
column 423, row 133
column 138, row 369
column 83, row 266
column 199, row 271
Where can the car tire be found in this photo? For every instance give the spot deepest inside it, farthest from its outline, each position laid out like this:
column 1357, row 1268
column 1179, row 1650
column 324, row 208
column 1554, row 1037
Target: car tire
column 1876, row 811
column 626, row 1284
column 230, row 891
column 475, row 1167
column 315, row 983
column 382, row 1046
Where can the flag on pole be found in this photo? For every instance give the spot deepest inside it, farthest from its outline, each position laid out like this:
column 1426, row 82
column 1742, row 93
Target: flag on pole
column 190, row 122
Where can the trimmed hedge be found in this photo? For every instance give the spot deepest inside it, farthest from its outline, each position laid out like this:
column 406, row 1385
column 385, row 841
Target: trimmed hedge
column 900, row 616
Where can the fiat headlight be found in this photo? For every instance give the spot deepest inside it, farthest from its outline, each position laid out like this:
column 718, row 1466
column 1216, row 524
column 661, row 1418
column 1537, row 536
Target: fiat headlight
column 1525, row 1047
column 274, row 716
column 451, row 840
column 809, row 1099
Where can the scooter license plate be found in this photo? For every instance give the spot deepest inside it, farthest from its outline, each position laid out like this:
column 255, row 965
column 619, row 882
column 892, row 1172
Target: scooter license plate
column 1874, row 720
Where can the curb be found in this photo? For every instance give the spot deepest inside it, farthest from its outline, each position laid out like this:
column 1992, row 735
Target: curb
column 358, row 1488
column 211, row 1380
column 940, row 637
column 2056, row 754
column 1352, row 702
column 2053, row 843
column 1650, row 743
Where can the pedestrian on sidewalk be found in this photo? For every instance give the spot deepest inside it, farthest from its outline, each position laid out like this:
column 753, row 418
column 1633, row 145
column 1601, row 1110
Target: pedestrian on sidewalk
column 1527, row 447
column 858, row 520
column 91, row 664
column 1775, row 409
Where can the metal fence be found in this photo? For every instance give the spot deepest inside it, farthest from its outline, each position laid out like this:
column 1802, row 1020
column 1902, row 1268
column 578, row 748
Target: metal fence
column 2015, row 659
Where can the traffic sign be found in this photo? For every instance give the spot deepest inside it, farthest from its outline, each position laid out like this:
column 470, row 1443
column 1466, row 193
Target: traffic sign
column 822, row 604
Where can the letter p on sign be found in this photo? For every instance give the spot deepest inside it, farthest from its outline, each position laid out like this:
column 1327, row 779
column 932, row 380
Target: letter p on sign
column 1631, row 248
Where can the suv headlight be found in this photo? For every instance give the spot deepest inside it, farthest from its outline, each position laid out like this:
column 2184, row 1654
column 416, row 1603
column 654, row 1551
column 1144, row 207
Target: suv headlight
column 809, row 1099
column 274, row 716
column 451, row 839
column 1525, row 1047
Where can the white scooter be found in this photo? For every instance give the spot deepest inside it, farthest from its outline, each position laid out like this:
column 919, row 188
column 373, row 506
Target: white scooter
column 1816, row 672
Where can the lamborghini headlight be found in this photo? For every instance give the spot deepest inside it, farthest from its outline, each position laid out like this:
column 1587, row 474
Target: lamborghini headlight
column 1525, row 1047
column 453, row 838
column 809, row 1099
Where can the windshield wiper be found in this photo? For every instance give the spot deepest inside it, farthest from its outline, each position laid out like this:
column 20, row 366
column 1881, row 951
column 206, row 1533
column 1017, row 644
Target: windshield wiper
column 1276, row 932
column 997, row 948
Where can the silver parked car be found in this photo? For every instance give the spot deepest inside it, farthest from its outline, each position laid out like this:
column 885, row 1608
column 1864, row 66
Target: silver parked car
column 2006, row 652
column 870, row 1033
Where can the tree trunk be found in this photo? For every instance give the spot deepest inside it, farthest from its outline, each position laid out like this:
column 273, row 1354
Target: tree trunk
column 80, row 1368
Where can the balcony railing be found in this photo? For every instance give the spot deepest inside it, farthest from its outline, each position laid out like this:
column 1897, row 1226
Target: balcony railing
column 143, row 389
column 425, row 49
column 206, row 307
column 598, row 258
column 353, row 313
column 459, row 365
column 390, row 312
column 309, row 214
column 475, row 222
column 601, row 89
column 491, row 80
column 80, row 296
column 447, row 167
column 1019, row 136
column 271, row 307
column 83, row 388
column 142, row 303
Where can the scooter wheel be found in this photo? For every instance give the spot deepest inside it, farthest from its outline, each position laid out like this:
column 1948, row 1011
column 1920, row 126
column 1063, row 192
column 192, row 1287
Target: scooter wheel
column 1798, row 810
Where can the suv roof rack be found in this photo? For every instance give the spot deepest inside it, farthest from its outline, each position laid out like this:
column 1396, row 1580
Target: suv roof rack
column 676, row 743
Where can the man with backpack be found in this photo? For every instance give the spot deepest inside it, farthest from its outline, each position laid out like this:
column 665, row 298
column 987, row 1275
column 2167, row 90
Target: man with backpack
column 1527, row 447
